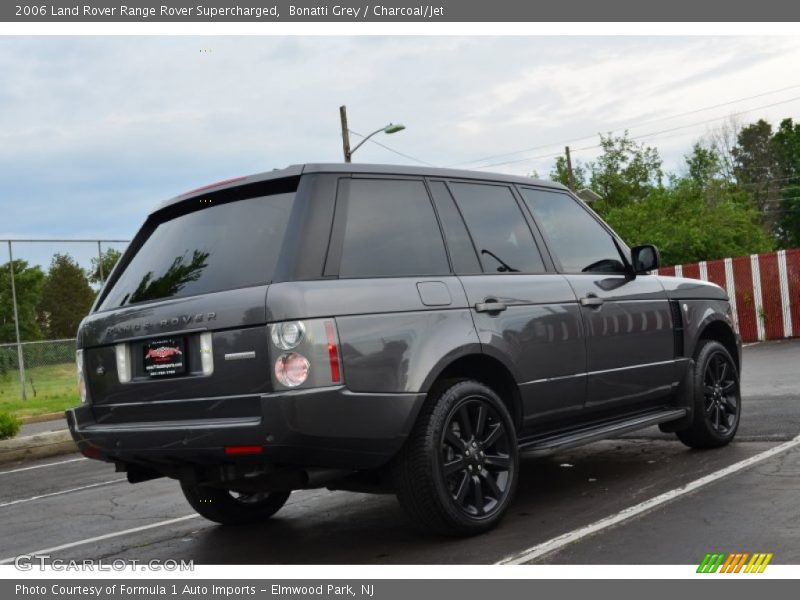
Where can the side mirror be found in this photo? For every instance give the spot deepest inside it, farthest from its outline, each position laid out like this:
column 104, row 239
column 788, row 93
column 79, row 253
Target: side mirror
column 645, row 258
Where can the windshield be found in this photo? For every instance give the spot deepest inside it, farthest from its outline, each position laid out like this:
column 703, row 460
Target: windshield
column 229, row 246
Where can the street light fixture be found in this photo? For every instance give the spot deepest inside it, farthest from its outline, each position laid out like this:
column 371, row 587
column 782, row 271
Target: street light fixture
column 348, row 153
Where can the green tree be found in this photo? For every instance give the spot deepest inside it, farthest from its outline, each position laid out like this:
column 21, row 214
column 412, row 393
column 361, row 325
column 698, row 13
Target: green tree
column 705, row 165
column 722, row 139
column 786, row 146
column 757, row 169
column 701, row 215
column 66, row 297
column 109, row 259
column 625, row 172
column 687, row 228
column 560, row 173
column 28, row 281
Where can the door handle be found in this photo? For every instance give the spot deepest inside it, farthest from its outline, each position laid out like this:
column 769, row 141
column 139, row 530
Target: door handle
column 592, row 301
column 490, row 305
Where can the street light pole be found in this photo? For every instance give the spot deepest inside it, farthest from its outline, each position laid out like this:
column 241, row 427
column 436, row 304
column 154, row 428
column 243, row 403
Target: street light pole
column 345, row 134
column 348, row 153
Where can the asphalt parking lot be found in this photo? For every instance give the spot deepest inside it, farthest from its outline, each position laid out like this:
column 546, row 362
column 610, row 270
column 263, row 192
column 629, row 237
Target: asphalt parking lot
column 72, row 508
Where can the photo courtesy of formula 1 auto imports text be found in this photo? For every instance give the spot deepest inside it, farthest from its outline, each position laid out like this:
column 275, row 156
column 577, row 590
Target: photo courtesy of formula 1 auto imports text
column 327, row 300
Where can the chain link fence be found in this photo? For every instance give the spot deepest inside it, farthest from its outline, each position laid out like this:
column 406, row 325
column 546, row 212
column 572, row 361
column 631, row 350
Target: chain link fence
column 38, row 375
column 49, row 370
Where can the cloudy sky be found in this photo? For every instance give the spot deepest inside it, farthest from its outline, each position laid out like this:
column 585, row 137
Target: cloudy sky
column 94, row 131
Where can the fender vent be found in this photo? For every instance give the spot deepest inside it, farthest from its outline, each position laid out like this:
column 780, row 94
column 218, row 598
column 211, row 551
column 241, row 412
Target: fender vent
column 677, row 327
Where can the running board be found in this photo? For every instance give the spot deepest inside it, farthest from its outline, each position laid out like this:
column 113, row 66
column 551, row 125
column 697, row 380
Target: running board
column 543, row 445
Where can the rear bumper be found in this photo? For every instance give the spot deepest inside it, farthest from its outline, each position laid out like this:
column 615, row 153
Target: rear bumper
column 326, row 428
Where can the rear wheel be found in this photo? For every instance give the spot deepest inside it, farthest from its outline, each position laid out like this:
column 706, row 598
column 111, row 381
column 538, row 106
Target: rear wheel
column 457, row 472
column 717, row 398
column 231, row 508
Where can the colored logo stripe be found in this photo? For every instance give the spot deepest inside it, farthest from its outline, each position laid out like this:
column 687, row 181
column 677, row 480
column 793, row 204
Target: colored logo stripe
column 734, row 563
column 711, row 563
column 758, row 563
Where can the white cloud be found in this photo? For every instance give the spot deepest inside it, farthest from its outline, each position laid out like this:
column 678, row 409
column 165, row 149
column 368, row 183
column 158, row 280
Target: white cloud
column 94, row 131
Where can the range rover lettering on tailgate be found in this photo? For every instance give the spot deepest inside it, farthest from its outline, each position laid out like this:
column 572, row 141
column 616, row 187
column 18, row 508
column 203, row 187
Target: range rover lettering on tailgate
column 383, row 328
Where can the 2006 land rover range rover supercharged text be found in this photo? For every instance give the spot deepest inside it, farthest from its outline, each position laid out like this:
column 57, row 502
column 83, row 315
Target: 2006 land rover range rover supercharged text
column 379, row 328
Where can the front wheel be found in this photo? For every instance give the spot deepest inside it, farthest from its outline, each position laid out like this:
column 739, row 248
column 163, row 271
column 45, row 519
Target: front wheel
column 457, row 472
column 717, row 398
column 232, row 508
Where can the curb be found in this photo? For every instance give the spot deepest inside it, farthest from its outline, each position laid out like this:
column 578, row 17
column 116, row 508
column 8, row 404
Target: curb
column 56, row 416
column 41, row 445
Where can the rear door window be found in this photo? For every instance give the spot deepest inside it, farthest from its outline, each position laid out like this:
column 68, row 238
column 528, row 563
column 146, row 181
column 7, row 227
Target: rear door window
column 578, row 240
column 501, row 235
column 390, row 230
column 462, row 252
column 223, row 247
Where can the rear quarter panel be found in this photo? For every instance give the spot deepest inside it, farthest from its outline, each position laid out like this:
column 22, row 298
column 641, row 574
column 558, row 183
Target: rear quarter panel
column 390, row 341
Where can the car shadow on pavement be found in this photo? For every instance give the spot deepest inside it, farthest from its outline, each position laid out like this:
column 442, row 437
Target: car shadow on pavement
column 555, row 495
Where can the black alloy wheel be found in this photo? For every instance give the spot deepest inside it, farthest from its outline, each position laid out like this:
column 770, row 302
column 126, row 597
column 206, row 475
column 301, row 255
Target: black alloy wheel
column 458, row 469
column 716, row 400
column 475, row 458
column 721, row 394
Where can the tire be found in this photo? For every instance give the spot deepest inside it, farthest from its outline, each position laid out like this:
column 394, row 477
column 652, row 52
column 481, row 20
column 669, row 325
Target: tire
column 458, row 470
column 717, row 398
column 228, row 508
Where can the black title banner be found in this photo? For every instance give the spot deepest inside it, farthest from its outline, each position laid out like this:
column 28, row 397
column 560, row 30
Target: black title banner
column 390, row 589
column 142, row 11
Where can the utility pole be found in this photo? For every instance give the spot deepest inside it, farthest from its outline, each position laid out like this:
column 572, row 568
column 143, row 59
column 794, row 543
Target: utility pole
column 345, row 134
column 570, row 175
column 100, row 263
column 20, row 361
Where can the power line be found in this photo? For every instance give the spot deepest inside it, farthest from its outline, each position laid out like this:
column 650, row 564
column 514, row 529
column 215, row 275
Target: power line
column 641, row 136
column 771, row 181
column 384, row 146
column 639, row 124
column 647, row 135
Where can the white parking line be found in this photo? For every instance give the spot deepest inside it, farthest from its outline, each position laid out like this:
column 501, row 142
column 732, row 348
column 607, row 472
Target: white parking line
column 559, row 542
column 62, row 492
column 63, row 462
column 100, row 538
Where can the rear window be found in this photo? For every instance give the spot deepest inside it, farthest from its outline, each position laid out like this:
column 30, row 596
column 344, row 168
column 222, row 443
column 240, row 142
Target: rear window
column 224, row 247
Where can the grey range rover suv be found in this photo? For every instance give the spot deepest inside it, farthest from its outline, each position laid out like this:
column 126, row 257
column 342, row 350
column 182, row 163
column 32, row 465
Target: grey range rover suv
column 389, row 329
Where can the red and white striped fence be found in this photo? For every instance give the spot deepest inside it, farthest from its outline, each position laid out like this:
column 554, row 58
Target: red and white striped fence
column 764, row 291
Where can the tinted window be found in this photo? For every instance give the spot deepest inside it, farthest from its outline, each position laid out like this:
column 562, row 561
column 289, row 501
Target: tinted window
column 462, row 252
column 391, row 230
column 222, row 247
column 580, row 243
column 501, row 235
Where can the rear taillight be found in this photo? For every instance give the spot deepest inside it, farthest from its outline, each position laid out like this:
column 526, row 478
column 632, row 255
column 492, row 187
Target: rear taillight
column 207, row 353
column 287, row 336
column 243, row 450
column 122, row 352
column 305, row 354
column 91, row 452
column 333, row 352
column 81, row 376
column 291, row 370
